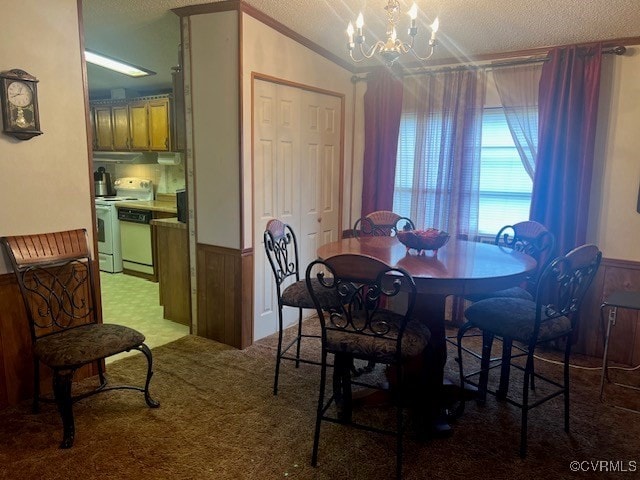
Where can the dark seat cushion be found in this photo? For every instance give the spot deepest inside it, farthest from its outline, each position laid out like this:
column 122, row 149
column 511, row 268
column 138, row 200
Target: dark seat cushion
column 513, row 292
column 297, row 295
column 415, row 339
column 514, row 318
column 84, row 344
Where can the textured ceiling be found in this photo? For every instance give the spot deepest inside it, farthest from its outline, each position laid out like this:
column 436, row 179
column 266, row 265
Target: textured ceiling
column 146, row 32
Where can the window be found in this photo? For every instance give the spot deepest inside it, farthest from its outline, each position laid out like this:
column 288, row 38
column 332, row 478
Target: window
column 505, row 186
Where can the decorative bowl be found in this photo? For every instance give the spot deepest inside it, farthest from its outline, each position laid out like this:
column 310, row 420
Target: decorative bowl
column 420, row 240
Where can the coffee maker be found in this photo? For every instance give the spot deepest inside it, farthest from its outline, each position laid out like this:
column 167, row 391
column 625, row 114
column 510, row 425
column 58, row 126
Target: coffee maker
column 102, row 183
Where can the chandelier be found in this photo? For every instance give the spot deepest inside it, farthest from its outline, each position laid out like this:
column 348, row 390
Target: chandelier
column 392, row 48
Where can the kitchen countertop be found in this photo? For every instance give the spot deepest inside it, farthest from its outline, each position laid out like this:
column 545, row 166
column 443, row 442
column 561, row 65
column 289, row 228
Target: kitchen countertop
column 153, row 205
column 169, row 223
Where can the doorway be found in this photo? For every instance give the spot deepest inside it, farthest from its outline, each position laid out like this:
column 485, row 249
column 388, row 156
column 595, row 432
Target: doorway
column 126, row 299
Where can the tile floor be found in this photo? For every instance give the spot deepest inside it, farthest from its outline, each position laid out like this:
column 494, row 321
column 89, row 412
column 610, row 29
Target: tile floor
column 133, row 301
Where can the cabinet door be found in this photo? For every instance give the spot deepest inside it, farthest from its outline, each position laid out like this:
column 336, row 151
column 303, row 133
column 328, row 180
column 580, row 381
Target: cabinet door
column 104, row 134
column 120, row 120
column 139, row 126
column 159, row 126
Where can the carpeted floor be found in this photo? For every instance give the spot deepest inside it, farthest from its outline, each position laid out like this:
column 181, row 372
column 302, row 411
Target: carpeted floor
column 219, row 420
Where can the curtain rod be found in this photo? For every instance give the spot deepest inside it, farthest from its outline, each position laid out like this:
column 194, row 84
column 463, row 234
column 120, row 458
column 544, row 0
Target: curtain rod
column 616, row 50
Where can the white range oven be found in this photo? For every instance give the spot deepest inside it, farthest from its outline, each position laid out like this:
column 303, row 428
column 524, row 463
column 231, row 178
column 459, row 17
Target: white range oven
column 128, row 189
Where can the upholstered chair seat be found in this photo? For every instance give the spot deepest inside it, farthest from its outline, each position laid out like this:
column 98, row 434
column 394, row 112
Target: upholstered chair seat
column 513, row 292
column 515, row 318
column 297, row 295
column 414, row 341
column 86, row 343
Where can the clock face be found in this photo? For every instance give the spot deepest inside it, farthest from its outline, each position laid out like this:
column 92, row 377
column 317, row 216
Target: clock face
column 19, row 94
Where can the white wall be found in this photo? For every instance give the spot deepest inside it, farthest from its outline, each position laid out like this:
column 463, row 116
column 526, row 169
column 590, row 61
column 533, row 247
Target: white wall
column 216, row 145
column 44, row 182
column 268, row 52
column 614, row 221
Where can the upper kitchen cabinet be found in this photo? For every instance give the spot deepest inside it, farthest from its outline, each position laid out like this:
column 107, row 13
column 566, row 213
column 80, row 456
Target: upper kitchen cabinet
column 138, row 124
column 159, row 124
column 102, row 124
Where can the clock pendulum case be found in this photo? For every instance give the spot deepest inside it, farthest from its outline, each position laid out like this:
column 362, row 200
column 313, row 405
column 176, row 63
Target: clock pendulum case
column 19, row 95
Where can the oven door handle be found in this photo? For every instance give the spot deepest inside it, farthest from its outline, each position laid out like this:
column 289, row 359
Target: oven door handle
column 102, row 209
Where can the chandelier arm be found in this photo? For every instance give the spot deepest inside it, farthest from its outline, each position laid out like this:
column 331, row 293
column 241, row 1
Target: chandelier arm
column 431, row 49
column 373, row 50
column 405, row 47
column 354, row 58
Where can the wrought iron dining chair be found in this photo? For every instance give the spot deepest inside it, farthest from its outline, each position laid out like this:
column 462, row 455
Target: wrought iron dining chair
column 528, row 237
column 551, row 315
column 360, row 328
column 55, row 273
column 281, row 247
column 381, row 223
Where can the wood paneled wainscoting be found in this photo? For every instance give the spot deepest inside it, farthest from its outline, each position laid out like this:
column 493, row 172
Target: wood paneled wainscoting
column 225, row 295
column 624, row 345
column 16, row 359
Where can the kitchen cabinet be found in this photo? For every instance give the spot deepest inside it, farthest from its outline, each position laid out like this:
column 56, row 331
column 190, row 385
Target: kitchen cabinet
column 173, row 269
column 120, row 123
column 103, row 135
column 159, row 124
column 137, row 124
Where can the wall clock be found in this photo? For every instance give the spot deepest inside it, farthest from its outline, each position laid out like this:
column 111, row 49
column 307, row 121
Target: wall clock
column 19, row 95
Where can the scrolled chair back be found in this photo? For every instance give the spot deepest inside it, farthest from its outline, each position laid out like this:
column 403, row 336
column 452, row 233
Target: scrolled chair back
column 281, row 247
column 532, row 238
column 366, row 288
column 382, row 223
column 563, row 285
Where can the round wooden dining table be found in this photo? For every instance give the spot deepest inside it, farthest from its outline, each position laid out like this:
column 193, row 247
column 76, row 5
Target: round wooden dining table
column 458, row 268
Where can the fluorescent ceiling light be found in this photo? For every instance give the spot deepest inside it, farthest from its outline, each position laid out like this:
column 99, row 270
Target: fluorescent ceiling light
column 116, row 65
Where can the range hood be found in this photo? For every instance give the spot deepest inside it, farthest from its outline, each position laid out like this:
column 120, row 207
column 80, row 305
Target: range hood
column 126, row 157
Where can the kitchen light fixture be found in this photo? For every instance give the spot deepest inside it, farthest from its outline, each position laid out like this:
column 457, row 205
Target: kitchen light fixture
column 116, row 65
column 391, row 49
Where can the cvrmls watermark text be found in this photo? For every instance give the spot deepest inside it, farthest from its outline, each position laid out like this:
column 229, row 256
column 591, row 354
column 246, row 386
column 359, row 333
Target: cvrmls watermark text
column 613, row 466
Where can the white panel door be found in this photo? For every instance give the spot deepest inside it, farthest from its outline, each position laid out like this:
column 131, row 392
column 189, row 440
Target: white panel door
column 320, row 167
column 265, row 203
column 296, row 167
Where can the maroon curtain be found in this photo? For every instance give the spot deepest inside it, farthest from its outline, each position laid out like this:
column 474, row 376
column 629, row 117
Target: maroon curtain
column 382, row 109
column 568, row 102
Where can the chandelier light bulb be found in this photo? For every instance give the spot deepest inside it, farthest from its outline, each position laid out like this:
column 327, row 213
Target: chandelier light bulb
column 435, row 25
column 434, row 28
column 360, row 21
column 413, row 12
column 350, row 32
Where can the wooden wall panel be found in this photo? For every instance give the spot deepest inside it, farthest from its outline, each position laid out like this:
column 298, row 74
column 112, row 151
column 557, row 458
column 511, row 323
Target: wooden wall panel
column 224, row 309
column 15, row 345
column 247, row 299
column 624, row 346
